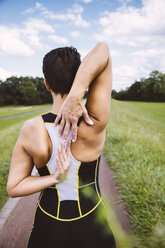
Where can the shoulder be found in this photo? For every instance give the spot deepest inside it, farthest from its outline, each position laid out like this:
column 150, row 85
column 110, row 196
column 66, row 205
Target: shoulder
column 31, row 126
column 35, row 140
column 31, row 134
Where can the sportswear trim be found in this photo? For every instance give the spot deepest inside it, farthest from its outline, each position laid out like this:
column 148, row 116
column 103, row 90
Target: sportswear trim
column 77, row 218
column 78, row 190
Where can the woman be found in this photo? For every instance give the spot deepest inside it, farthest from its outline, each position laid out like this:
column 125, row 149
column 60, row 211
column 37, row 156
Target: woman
column 67, row 208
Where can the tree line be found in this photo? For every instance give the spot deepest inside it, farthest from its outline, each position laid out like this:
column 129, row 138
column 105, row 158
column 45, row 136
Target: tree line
column 151, row 89
column 24, row 91
column 32, row 91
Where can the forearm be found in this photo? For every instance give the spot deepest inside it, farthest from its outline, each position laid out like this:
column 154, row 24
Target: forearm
column 30, row 185
column 92, row 65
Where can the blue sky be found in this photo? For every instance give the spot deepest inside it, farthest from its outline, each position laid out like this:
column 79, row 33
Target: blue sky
column 134, row 31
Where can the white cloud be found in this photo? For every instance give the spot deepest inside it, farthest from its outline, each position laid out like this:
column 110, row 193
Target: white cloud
column 74, row 15
column 115, row 53
column 58, row 39
column 86, row 1
column 134, row 26
column 23, row 39
column 39, row 5
column 124, row 2
column 76, row 9
column 125, row 75
column 81, row 22
column 5, row 74
column 38, row 25
column 11, row 43
column 32, row 29
column 150, row 58
column 139, row 33
column 28, row 11
column 75, row 34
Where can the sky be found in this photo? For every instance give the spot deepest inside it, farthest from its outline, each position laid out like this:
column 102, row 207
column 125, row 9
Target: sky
column 134, row 30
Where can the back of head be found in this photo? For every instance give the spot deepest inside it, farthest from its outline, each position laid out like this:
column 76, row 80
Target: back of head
column 59, row 67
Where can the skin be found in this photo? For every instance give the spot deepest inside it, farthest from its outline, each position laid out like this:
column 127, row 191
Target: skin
column 34, row 146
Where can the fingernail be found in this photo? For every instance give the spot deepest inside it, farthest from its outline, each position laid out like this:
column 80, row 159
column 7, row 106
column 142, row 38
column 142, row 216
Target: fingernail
column 73, row 140
column 91, row 122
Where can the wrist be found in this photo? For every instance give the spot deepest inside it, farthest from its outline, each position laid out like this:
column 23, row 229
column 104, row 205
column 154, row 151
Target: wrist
column 76, row 94
column 54, row 179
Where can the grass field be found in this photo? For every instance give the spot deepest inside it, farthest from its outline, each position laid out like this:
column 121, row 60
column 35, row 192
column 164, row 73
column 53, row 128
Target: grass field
column 135, row 149
column 9, row 130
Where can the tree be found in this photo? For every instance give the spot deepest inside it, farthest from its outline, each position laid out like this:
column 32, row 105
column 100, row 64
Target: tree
column 149, row 89
column 23, row 91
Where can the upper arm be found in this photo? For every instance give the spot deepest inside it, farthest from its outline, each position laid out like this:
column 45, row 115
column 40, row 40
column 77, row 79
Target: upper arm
column 98, row 102
column 21, row 163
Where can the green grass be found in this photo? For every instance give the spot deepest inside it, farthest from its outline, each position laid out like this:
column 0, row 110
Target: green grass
column 135, row 149
column 9, row 130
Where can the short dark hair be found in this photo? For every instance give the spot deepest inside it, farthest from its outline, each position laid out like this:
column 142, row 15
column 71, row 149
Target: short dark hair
column 59, row 67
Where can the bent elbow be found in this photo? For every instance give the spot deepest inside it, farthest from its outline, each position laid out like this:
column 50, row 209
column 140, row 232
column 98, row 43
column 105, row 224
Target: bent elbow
column 103, row 46
column 104, row 50
column 10, row 191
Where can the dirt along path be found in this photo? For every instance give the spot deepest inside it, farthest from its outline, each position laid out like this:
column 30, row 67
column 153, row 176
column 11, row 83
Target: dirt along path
column 16, row 230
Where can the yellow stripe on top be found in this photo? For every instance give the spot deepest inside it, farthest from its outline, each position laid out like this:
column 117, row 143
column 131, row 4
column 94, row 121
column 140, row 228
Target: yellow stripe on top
column 51, row 123
column 58, row 207
column 78, row 199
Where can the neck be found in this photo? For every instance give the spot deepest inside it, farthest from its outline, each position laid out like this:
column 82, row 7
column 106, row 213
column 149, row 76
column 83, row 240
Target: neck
column 57, row 102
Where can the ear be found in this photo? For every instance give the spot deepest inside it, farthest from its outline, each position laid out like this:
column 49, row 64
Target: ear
column 47, row 86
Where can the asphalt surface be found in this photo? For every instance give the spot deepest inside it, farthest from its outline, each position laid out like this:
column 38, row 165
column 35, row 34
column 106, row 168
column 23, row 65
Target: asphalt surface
column 23, row 114
column 16, row 230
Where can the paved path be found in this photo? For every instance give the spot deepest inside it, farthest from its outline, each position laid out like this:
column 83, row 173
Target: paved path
column 16, row 230
column 19, row 115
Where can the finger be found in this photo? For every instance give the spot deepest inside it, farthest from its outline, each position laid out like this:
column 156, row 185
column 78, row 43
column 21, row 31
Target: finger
column 58, row 155
column 66, row 130
column 61, row 158
column 59, row 166
column 61, row 128
column 74, row 131
column 86, row 117
column 63, row 152
column 57, row 119
column 68, row 148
